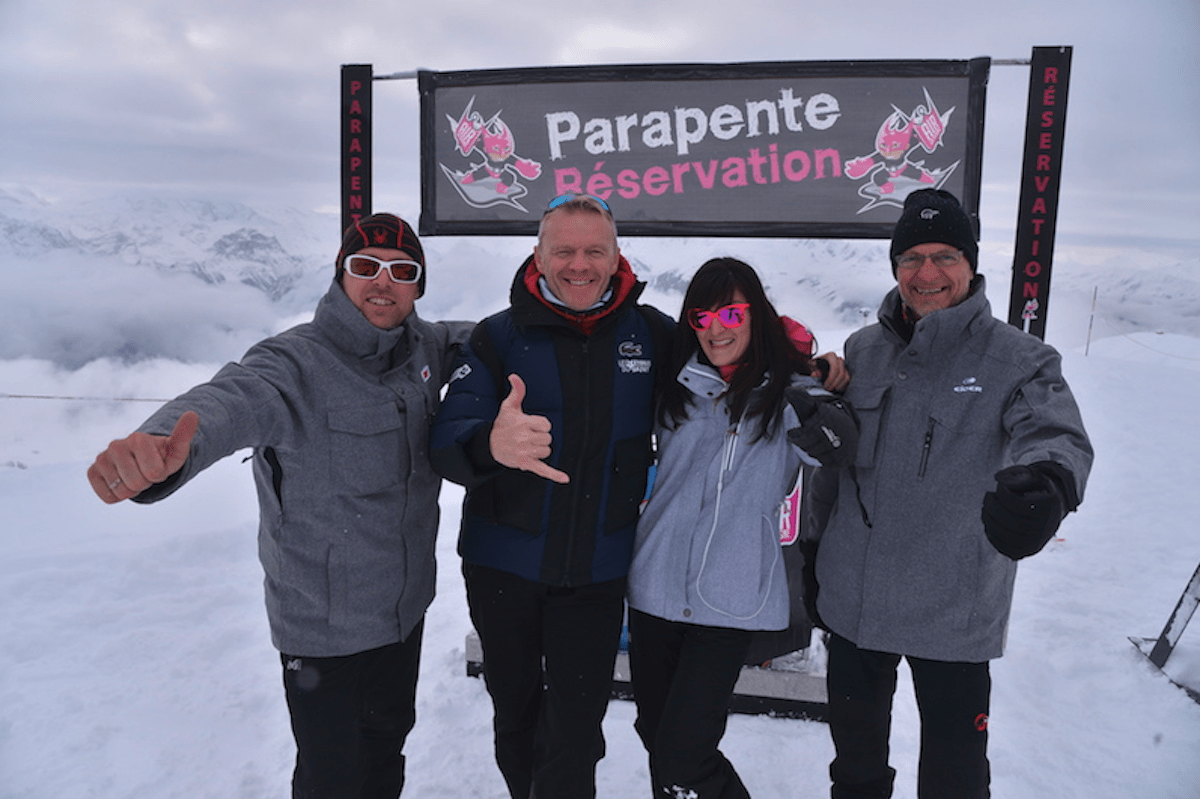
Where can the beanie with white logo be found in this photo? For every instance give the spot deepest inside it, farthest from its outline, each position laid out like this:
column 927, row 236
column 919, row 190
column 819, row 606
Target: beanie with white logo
column 934, row 216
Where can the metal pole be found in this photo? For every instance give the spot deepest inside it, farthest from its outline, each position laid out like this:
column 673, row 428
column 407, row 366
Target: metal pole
column 1091, row 319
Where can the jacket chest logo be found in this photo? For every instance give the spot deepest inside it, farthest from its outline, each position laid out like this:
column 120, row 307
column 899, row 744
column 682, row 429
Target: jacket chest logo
column 969, row 386
column 630, row 360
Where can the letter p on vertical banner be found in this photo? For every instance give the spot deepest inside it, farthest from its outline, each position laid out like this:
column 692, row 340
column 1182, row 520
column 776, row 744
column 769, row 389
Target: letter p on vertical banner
column 356, row 159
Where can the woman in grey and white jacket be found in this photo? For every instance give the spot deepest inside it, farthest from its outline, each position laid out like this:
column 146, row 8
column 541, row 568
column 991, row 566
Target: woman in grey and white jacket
column 708, row 569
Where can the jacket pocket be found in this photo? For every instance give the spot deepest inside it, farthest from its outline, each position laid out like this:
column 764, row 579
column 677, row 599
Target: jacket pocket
column 627, row 481
column 512, row 499
column 738, row 566
column 367, row 452
column 958, row 430
column 868, row 403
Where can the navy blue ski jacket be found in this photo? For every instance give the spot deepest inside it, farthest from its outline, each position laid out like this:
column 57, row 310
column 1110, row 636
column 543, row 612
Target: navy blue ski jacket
column 597, row 391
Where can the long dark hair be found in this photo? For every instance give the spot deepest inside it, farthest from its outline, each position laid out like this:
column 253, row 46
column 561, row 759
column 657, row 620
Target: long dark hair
column 770, row 353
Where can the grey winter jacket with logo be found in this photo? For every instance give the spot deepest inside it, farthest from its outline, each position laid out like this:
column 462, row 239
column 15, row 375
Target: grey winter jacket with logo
column 707, row 549
column 904, row 565
column 337, row 412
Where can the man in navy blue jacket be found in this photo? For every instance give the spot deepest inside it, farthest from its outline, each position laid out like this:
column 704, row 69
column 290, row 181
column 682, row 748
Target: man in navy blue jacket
column 547, row 423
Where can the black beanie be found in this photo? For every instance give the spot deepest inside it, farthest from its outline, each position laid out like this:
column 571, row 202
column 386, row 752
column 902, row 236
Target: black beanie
column 934, row 216
column 387, row 231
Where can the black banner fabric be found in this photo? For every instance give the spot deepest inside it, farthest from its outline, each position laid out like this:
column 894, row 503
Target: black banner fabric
column 813, row 149
column 356, row 146
column 1041, row 178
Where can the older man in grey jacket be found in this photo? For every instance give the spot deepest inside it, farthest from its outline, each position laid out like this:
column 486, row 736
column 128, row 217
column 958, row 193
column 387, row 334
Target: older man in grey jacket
column 337, row 412
column 972, row 451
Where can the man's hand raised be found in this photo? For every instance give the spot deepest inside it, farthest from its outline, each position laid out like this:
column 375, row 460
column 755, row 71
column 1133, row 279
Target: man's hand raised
column 132, row 464
column 833, row 373
column 522, row 441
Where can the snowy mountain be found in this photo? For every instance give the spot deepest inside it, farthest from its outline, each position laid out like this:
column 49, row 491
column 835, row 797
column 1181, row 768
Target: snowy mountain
column 195, row 280
column 133, row 277
column 215, row 242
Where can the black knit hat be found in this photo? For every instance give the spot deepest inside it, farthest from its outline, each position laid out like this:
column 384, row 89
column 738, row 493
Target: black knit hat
column 934, row 216
column 387, row 231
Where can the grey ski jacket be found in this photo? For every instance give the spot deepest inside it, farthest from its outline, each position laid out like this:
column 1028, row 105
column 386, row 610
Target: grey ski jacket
column 337, row 412
column 707, row 549
column 904, row 565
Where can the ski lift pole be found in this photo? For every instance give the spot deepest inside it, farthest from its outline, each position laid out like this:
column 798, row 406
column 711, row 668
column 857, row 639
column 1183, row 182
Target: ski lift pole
column 1092, row 318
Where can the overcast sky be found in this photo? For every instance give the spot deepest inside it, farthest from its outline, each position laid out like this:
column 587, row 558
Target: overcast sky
column 235, row 100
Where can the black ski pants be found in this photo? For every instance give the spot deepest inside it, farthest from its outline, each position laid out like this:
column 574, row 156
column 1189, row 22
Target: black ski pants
column 952, row 699
column 548, row 658
column 350, row 717
column 683, row 677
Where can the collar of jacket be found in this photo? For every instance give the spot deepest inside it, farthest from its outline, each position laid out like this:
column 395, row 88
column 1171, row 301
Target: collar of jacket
column 530, row 307
column 349, row 331
column 945, row 327
column 701, row 379
column 704, row 380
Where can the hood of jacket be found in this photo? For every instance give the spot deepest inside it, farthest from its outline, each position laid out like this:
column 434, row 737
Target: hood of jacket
column 945, row 326
column 350, row 332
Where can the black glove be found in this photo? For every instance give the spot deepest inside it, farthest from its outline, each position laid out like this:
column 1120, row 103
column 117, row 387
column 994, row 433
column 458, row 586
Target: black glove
column 1024, row 511
column 828, row 431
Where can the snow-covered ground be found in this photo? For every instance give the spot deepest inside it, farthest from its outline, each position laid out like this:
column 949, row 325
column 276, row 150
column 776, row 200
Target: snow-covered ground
column 135, row 661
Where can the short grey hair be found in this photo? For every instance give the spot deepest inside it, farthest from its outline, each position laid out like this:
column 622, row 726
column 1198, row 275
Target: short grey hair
column 583, row 203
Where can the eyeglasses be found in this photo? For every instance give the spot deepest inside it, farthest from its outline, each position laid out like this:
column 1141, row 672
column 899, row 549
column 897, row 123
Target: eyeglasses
column 732, row 315
column 942, row 260
column 563, row 199
column 367, row 267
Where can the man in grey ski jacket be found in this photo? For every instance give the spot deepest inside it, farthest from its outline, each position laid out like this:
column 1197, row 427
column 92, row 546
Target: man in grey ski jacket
column 971, row 452
column 337, row 412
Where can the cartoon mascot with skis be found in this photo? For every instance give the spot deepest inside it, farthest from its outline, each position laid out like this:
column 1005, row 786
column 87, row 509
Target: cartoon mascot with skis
column 495, row 178
column 891, row 173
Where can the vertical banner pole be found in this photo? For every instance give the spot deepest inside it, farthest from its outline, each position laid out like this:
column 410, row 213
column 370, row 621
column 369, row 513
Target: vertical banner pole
column 1041, row 177
column 356, row 143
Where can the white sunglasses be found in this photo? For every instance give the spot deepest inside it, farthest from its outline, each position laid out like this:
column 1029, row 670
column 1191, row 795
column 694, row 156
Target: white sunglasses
column 368, row 267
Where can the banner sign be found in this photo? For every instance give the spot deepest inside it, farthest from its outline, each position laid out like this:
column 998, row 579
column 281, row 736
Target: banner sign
column 1041, row 177
column 356, row 142
column 781, row 149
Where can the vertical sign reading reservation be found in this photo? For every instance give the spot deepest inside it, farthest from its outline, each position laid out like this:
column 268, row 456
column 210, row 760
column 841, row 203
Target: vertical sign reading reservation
column 356, row 143
column 1041, row 178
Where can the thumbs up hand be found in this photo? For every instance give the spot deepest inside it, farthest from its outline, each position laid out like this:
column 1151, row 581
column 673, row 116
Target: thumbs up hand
column 132, row 464
column 522, row 441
